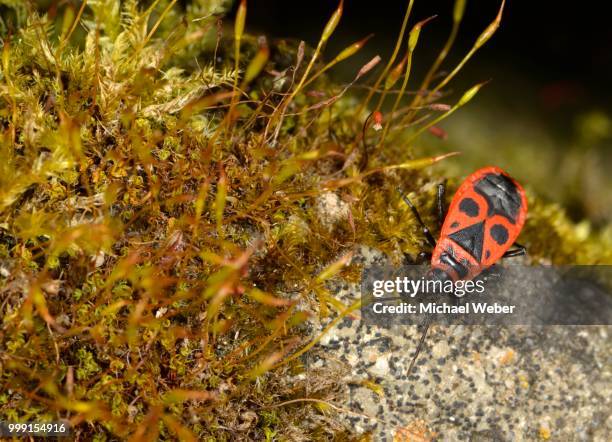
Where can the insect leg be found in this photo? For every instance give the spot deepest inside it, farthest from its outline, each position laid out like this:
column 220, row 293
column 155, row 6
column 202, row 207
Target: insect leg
column 441, row 208
column 426, row 231
column 426, row 324
column 518, row 251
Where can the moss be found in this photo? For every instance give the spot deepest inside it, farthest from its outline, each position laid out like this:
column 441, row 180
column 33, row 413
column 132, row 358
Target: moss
column 553, row 238
column 164, row 235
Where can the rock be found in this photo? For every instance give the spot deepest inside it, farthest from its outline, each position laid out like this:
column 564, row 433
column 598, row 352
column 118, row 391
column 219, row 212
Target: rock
column 481, row 383
column 331, row 209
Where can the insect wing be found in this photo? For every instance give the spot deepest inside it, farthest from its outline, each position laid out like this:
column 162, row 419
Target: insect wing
column 485, row 217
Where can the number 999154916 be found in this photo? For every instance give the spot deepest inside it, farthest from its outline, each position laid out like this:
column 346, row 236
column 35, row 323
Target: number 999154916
column 40, row 429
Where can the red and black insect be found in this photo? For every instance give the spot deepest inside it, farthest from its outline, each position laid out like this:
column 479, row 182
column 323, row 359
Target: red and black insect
column 483, row 221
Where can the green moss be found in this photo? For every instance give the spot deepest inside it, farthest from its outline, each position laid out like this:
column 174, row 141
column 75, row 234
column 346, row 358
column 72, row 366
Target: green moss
column 87, row 366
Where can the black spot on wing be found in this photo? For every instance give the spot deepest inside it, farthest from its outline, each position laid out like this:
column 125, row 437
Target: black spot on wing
column 502, row 195
column 470, row 239
column 454, row 225
column 500, row 234
column 469, row 207
column 487, row 254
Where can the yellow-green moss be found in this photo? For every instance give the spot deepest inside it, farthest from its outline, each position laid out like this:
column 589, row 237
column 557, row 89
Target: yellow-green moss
column 155, row 245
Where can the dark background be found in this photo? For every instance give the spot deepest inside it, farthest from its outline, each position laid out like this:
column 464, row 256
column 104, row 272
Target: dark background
column 562, row 49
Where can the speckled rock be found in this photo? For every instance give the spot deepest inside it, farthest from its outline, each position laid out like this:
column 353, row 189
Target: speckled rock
column 478, row 383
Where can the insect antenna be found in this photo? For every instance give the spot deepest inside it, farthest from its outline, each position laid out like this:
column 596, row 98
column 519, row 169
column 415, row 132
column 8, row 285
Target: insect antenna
column 415, row 212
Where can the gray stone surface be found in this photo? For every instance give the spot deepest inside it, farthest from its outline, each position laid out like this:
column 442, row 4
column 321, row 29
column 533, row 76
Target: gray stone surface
column 479, row 383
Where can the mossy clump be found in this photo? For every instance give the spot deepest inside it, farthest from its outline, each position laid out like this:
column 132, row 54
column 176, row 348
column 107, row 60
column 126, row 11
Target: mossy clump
column 173, row 202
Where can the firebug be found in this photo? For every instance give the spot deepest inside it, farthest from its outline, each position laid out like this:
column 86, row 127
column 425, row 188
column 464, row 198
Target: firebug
column 483, row 221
